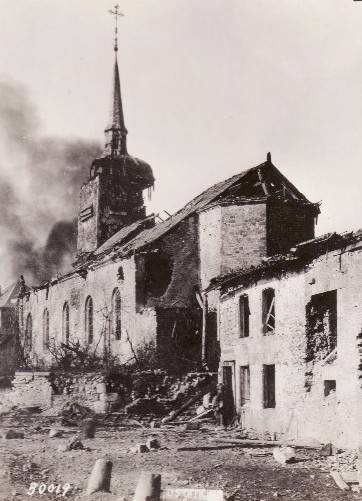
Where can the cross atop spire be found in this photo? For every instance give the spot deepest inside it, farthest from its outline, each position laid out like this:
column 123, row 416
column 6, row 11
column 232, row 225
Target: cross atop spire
column 116, row 12
column 116, row 132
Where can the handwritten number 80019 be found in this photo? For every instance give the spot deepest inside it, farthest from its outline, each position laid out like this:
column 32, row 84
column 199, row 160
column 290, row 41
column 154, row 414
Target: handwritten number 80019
column 51, row 488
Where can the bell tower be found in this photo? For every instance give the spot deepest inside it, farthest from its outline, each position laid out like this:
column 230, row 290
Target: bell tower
column 112, row 197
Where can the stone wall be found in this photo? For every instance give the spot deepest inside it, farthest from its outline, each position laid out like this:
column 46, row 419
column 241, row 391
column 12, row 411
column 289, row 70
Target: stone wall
column 288, row 223
column 31, row 389
column 47, row 390
column 99, row 283
column 243, row 236
column 302, row 409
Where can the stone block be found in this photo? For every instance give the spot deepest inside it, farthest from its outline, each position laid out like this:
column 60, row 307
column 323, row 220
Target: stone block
column 10, row 434
column 101, row 388
column 194, row 425
column 140, row 448
column 284, row 455
column 153, row 443
column 100, row 407
column 111, row 397
column 54, row 433
column 328, row 450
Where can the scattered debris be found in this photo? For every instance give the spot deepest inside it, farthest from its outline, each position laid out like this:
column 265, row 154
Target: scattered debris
column 140, row 448
column 54, row 433
column 328, row 450
column 339, row 481
column 10, row 434
column 153, row 444
column 195, row 425
column 284, row 455
column 73, row 444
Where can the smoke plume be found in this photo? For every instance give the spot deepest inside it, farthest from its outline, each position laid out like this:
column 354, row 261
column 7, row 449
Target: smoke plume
column 40, row 179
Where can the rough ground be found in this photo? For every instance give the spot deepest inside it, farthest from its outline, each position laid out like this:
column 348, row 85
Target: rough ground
column 249, row 472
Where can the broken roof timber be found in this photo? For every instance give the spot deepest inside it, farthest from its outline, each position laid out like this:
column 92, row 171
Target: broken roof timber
column 299, row 256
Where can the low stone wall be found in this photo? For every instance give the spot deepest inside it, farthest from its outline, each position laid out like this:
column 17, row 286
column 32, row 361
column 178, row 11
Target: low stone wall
column 30, row 389
column 46, row 390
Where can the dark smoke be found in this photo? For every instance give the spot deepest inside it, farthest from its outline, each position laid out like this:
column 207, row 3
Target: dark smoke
column 40, row 179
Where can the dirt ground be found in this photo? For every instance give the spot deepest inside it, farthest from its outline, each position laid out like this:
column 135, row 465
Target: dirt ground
column 245, row 472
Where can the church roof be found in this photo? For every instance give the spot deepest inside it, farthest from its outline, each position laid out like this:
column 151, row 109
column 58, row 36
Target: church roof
column 266, row 170
column 9, row 293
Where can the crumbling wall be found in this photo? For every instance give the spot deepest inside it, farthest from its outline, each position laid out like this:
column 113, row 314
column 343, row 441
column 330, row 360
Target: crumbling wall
column 168, row 270
column 45, row 389
column 285, row 349
column 306, row 403
column 31, row 389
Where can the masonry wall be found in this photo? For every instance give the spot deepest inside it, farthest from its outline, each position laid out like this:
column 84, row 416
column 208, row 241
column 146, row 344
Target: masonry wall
column 231, row 237
column 88, row 229
column 46, row 390
column 243, row 236
column 179, row 250
column 99, row 283
column 302, row 409
column 289, row 222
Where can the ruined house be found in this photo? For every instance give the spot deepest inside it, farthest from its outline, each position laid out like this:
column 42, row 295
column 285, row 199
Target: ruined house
column 291, row 341
column 136, row 281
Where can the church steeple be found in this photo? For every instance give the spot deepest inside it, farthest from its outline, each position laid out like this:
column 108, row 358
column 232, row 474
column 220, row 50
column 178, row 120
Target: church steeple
column 112, row 197
column 116, row 132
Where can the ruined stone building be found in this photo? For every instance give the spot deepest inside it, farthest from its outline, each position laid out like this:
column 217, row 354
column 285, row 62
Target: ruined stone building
column 290, row 332
column 135, row 281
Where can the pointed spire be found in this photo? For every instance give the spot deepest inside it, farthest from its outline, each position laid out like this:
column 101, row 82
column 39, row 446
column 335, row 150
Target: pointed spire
column 116, row 132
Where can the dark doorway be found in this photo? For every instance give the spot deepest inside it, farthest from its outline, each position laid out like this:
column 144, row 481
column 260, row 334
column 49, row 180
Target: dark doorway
column 228, row 376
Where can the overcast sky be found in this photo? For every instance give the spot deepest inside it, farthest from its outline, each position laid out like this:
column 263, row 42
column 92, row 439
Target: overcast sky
column 208, row 86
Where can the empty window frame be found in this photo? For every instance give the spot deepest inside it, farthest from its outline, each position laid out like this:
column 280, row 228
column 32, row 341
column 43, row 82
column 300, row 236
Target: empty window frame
column 28, row 333
column 269, row 386
column 321, row 323
column 89, row 320
column 268, row 311
column 244, row 313
column 330, row 386
column 66, row 327
column 46, row 328
column 116, row 314
column 244, row 385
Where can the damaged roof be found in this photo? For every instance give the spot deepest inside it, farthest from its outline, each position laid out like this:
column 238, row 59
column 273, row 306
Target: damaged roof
column 10, row 293
column 256, row 183
column 299, row 256
column 150, row 235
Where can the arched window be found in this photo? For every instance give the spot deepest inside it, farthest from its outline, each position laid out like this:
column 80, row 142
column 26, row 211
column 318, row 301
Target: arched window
column 66, row 328
column 116, row 314
column 89, row 320
column 46, row 328
column 28, row 333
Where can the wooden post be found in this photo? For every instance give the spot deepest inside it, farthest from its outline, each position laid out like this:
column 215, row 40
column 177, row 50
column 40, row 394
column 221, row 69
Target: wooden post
column 148, row 488
column 204, row 320
column 100, row 479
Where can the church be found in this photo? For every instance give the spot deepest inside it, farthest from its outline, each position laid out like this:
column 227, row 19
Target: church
column 137, row 282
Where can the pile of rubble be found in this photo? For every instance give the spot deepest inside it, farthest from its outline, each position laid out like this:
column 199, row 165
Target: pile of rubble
column 175, row 399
